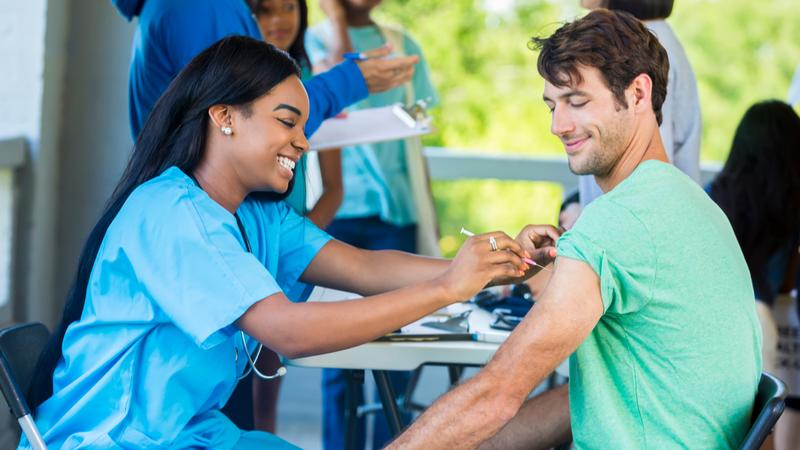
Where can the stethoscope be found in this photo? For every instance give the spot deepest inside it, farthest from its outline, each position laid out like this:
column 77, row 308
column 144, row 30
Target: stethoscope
column 251, row 362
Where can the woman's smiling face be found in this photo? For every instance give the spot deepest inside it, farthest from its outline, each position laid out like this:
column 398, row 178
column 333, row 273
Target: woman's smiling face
column 279, row 21
column 268, row 136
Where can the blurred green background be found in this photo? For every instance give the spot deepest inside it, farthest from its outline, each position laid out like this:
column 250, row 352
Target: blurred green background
column 742, row 51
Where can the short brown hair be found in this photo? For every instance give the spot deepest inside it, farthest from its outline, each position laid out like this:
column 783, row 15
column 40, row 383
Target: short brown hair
column 616, row 44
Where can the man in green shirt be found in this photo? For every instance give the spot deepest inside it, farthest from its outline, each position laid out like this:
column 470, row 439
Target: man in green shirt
column 650, row 293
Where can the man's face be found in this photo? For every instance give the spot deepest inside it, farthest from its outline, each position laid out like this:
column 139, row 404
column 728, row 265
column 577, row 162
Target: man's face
column 593, row 126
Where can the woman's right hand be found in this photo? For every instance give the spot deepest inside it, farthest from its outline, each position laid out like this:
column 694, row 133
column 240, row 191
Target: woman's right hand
column 382, row 74
column 477, row 264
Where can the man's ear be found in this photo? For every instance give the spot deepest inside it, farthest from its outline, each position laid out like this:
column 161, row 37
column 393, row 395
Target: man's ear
column 220, row 116
column 640, row 93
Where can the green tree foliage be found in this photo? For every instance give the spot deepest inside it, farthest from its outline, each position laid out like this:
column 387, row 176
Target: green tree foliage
column 742, row 52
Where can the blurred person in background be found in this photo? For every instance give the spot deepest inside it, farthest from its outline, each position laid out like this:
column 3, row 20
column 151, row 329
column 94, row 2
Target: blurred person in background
column 759, row 191
column 681, row 128
column 383, row 206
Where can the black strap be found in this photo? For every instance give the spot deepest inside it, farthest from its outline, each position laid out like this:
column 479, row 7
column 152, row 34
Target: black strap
column 244, row 234
column 238, row 220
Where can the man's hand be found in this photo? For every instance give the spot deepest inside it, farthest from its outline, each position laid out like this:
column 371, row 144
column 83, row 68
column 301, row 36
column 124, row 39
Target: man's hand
column 384, row 74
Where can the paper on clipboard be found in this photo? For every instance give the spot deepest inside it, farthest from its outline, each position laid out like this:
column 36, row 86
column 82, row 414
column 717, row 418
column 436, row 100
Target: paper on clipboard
column 367, row 126
column 794, row 88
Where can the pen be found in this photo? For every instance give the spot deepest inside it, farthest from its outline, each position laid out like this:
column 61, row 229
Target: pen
column 468, row 233
column 355, row 56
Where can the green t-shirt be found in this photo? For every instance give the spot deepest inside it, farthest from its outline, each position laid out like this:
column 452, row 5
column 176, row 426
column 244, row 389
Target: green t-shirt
column 675, row 360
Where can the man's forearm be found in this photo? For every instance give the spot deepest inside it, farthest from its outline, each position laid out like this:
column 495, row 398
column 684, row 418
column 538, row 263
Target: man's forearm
column 541, row 423
column 462, row 418
column 566, row 313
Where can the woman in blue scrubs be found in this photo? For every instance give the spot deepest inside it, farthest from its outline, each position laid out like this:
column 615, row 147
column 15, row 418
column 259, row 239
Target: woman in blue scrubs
column 171, row 298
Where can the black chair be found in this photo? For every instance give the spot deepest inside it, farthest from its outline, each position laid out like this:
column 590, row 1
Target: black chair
column 769, row 405
column 20, row 346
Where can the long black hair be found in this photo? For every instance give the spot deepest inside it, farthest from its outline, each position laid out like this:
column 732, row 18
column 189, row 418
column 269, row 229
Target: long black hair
column 298, row 48
column 234, row 71
column 759, row 186
column 643, row 9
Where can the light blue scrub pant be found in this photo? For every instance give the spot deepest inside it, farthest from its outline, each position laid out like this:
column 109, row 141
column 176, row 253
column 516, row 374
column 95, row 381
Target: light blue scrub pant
column 262, row 440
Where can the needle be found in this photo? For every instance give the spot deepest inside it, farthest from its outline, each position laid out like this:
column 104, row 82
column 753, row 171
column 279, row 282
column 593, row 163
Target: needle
column 466, row 232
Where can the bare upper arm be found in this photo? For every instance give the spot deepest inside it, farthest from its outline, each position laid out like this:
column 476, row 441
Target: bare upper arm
column 337, row 265
column 568, row 310
column 258, row 320
column 570, row 305
column 330, row 165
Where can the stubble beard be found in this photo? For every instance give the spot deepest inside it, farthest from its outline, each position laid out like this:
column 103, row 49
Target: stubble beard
column 601, row 160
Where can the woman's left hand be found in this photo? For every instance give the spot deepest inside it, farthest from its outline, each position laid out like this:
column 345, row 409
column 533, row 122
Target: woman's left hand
column 538, row 241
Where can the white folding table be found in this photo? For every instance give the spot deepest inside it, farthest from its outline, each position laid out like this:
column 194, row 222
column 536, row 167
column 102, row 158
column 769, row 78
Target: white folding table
column 379, row 357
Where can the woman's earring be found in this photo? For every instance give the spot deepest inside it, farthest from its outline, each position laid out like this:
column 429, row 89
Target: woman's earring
column 226, row 130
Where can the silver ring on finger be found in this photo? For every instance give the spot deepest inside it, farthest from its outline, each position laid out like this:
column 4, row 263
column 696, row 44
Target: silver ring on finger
column 493, row 243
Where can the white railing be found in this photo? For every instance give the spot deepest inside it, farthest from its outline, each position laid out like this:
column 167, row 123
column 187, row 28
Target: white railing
column 454, row 164
column 12, row 156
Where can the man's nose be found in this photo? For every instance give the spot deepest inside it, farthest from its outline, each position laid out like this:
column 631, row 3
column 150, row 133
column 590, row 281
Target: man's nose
column 561, row 122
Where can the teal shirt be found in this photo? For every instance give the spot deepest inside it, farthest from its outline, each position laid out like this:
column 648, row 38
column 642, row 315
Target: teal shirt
column 156, row 354
column 375, row 177
column 675, row 360
column 297, row 196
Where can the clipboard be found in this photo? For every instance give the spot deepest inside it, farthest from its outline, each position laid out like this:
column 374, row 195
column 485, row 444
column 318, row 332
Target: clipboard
column 421, row 331
column 368, row 126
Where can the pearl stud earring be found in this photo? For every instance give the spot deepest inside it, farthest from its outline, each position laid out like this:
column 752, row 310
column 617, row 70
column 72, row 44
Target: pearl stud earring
column 226, row 130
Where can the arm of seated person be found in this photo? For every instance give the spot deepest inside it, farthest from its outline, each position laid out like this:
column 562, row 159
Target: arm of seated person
column 330, row 167
column 341, row 266
column 347, row 268
column 300, row 329
column 567, row 312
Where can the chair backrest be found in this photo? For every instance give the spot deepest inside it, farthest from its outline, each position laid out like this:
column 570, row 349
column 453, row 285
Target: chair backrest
column 767, row 409
column 20, row 347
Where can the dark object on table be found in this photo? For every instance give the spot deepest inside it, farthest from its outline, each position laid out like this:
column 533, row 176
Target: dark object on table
column 456, row 324
column 518, row 303
column 505, row 322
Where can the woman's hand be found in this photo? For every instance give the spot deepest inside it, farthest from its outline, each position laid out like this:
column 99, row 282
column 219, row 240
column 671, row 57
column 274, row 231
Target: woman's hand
column 479, row 263
column 382, row 74
column 540, row 242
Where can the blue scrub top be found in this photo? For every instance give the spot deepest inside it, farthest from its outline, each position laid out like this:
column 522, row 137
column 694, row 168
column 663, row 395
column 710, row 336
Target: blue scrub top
column 155, row 354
